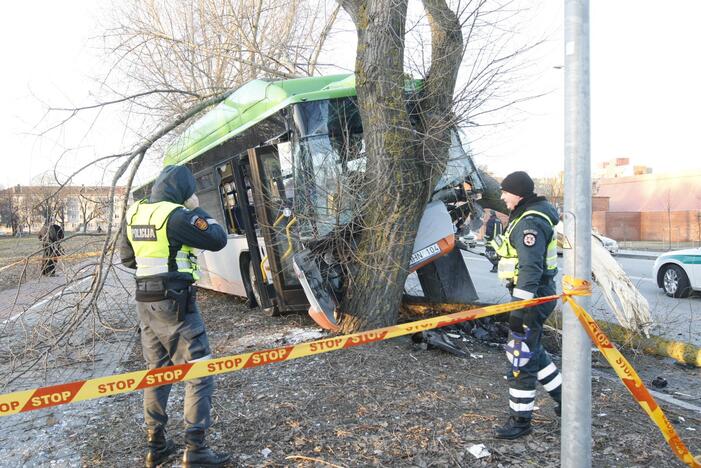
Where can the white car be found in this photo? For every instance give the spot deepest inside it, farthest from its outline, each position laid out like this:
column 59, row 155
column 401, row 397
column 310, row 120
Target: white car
column 608, row 243
column 678, row 272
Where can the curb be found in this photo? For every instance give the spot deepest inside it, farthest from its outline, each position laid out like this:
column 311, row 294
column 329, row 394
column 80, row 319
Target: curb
column 640, row 255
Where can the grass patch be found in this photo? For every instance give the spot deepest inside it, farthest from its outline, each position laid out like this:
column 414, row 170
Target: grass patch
column 21, row 257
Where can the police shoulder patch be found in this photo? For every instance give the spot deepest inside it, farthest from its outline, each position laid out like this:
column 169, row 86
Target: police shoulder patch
column 529, row 239
column 200, row 223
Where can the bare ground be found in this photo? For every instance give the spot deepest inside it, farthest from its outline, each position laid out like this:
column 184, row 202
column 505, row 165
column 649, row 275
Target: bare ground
column 387, row 404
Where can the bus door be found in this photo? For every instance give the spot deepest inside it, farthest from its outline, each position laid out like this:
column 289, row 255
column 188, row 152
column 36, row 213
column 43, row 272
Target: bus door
column 273, row 192
column 245, row 217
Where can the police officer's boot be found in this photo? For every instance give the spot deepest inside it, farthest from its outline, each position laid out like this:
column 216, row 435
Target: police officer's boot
column 558, row 405
column 197, row 453
column 514, row 428
column 158, row 447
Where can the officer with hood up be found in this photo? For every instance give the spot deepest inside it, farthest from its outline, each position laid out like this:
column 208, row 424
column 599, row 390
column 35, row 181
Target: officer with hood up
column 159, row 240
column 528, row 265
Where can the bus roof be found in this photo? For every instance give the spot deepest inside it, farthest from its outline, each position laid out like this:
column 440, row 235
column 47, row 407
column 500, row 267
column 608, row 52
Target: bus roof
column 250, row 104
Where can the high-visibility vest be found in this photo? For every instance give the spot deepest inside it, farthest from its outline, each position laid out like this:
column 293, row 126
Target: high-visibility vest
column 147, row 232
column 508, row 263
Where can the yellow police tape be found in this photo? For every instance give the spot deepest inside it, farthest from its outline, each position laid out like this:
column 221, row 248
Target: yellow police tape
column 630, row 378
column 44, row 397
column 27, row 260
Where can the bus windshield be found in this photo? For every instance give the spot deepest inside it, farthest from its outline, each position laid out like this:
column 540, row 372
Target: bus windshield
column 330, row 161
column 459, row 166
column 329, row 164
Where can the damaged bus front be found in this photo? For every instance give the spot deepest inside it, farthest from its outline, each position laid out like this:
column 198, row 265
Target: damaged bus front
column 284, row 164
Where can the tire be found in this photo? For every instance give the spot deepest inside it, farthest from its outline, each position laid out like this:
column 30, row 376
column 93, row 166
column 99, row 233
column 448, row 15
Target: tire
column 248, row 277
column 254, row 294
column 675, row 282
column 253, row 284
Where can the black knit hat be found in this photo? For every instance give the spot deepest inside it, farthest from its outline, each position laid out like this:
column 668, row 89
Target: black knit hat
column 519, row 183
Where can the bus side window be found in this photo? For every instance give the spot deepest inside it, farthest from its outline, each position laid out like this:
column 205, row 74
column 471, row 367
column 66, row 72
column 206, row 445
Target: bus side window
column 229, row 198
column 234, row 223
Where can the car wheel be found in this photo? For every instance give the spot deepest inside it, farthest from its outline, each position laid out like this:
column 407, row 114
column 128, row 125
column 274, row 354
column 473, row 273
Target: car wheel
column 675, row 282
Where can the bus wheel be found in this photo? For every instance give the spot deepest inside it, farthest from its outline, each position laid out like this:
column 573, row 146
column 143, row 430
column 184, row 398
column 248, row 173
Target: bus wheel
column 251, row 283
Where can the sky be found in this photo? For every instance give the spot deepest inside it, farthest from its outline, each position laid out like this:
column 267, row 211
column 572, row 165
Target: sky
column 645, row 93
column 43, row 59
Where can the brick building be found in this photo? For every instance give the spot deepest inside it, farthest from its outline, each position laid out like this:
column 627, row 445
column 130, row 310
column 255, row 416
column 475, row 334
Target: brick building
column 651, row 207
column 619, row 167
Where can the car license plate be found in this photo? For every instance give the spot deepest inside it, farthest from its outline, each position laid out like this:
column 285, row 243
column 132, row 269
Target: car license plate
column 424, row 254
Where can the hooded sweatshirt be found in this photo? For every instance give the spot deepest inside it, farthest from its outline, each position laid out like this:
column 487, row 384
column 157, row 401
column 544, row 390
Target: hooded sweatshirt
column 176, row 184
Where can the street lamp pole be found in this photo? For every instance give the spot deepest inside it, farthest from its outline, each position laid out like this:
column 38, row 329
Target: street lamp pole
column 576, row 347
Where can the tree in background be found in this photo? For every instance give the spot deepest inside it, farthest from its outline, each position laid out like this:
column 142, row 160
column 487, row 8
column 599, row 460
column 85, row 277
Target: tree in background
column 182, row 52
column 47, row 199
column 552, row 187
column 92, row 206
column 9, row 210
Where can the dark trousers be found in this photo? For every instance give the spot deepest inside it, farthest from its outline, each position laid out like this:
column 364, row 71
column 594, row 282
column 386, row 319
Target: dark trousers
column 491, row 255
column 51, row 253
column 540, row 367
column 165, row 342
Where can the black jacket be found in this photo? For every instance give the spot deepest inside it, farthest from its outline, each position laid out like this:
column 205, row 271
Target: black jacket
column 530, row 237
column 176, row 184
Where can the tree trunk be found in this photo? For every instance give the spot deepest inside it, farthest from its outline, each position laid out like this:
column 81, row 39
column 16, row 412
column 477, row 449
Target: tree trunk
column 403, row 162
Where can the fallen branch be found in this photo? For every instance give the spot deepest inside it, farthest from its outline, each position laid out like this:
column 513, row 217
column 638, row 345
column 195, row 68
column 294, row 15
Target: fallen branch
column 684, row 353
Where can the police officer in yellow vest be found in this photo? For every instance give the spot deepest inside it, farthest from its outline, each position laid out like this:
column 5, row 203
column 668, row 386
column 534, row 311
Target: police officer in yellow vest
column 528, row 265
column 159, row 240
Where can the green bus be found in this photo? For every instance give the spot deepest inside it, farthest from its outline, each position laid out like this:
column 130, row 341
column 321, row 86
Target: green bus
column 283, row 164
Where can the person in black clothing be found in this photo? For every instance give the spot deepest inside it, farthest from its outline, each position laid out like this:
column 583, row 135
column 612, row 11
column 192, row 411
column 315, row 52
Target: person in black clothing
column 528, row 250
column 492, row 230
column 51, row 237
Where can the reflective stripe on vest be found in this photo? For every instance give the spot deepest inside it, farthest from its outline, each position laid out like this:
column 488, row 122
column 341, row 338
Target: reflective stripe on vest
column 147, row 232
column 508, row 263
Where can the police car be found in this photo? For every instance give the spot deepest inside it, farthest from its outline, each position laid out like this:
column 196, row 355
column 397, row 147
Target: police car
column 678, row 273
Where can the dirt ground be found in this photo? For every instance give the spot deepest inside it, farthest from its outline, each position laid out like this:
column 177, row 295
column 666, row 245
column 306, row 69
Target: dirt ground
column 387, row 404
